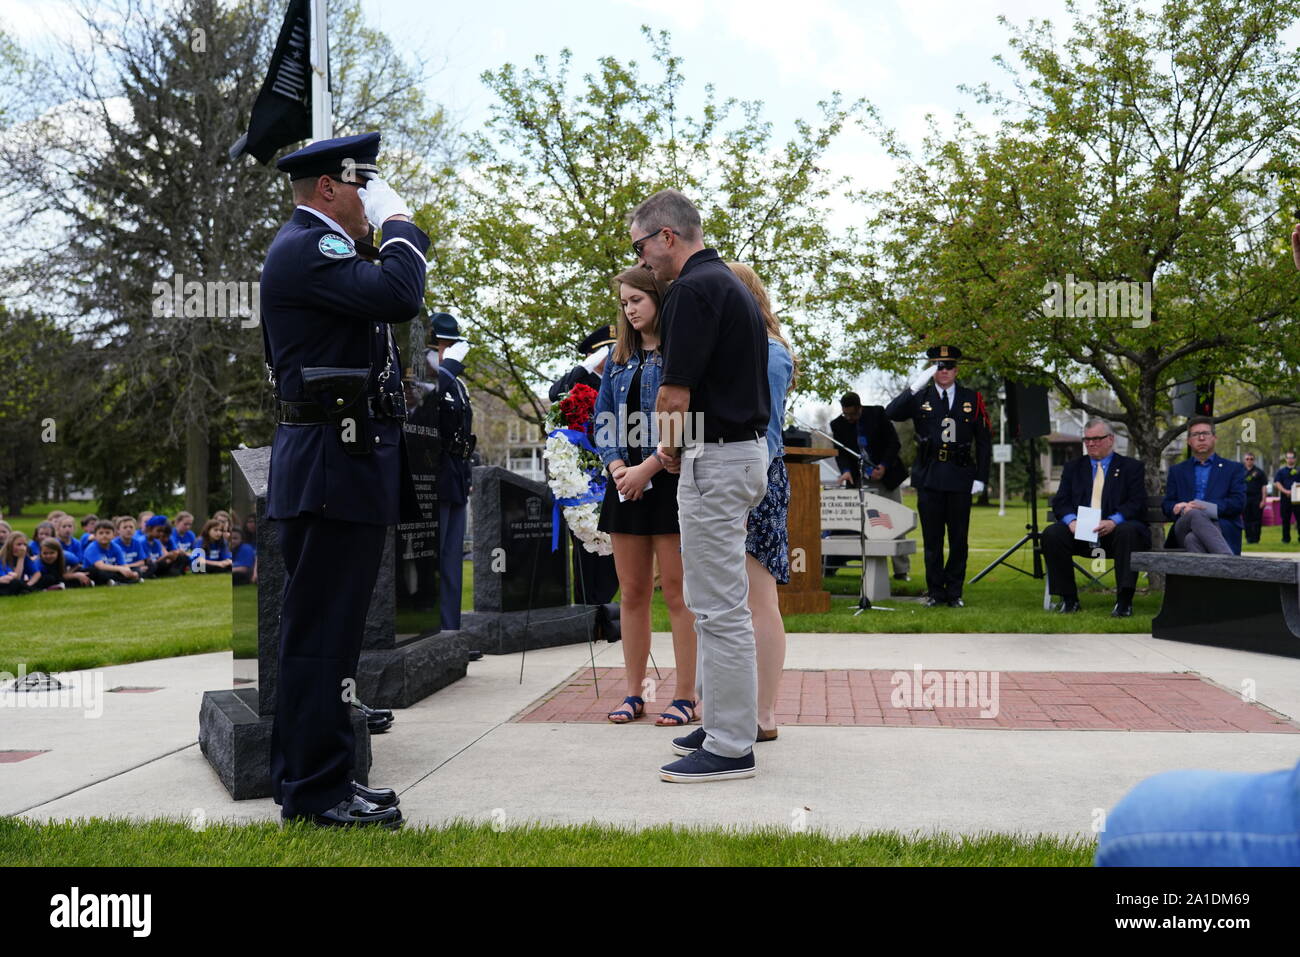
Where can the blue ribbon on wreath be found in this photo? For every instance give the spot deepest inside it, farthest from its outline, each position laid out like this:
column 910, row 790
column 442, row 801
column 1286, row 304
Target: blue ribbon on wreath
column 595, row 484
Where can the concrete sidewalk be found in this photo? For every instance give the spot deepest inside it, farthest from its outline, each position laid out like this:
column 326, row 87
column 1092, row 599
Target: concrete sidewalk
column 459, row 754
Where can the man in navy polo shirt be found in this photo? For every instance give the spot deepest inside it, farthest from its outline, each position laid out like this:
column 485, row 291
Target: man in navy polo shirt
column 715, row 371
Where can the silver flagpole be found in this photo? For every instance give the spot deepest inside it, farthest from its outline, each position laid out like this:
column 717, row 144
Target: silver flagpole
column 322, row 109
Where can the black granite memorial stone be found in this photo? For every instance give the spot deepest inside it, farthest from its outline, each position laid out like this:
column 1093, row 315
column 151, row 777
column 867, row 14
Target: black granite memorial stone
column 404, row 656
column 521, row 594
column 235, row 724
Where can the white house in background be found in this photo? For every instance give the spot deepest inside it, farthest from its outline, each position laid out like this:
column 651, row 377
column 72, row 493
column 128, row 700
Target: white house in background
column 524, row 445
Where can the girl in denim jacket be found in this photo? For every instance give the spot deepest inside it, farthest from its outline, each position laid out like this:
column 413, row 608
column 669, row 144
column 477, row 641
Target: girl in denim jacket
column 640, row 507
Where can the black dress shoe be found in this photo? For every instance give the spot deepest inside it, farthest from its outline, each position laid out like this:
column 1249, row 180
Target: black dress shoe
column 475, row 655
column 379, row 797
column 929, row 601
column 956, row 603
column 378, row 724
column 1122, row 609
column 1068, row 606
column 352, row 812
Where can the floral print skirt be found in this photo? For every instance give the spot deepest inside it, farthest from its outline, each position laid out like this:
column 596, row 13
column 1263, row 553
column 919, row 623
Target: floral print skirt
column 765, row 537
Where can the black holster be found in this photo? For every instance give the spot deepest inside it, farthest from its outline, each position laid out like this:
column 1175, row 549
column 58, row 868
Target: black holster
column 341, row 394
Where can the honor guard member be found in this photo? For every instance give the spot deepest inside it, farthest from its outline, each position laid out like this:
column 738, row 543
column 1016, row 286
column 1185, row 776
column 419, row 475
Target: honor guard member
column 594, row 349
column 456, row 426
column 595, row 579
column 953, row 450
column 338, row 476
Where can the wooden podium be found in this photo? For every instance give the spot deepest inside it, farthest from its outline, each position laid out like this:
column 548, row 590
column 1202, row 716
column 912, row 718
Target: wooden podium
column 804, row 528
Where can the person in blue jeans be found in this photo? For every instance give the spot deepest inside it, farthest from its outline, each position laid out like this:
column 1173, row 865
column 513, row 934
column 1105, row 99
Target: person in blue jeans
column 1206, row 819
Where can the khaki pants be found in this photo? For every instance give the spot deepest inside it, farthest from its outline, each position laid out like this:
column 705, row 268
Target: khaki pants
column 718, row 487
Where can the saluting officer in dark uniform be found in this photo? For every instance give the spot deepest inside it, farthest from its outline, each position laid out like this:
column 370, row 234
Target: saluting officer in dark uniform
column 595, row 579
column 953, row 450
column 456, row 426
column 338, row 477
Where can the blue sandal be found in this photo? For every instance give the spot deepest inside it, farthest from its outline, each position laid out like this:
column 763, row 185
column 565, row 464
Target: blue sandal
column 626, row 715
column 686, row 707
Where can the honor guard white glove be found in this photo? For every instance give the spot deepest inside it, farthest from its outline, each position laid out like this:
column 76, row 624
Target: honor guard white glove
column 457, row 351
column 595, row 359
column 976, row 487
column 920, row 379
column 381, row 202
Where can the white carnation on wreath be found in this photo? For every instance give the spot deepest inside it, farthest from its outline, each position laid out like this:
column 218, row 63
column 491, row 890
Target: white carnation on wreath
column 568, row 479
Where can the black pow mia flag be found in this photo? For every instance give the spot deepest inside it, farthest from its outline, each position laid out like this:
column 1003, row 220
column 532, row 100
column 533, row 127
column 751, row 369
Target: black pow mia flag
column 282, row 113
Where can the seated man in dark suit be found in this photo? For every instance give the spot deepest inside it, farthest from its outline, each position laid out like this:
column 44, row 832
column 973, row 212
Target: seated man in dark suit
column 1115, row 484
column 1205, row 496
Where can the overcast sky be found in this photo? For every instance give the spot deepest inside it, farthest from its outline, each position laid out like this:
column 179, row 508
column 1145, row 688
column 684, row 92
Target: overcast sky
column 908, row 57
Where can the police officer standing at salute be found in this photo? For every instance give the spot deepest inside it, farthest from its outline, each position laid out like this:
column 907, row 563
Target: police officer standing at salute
column 338, row 475
column 456, row 427
column 953, row 451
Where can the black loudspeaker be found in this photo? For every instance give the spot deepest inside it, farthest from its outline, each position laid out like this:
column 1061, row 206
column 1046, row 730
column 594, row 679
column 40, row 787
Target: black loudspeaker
column 1027, row 416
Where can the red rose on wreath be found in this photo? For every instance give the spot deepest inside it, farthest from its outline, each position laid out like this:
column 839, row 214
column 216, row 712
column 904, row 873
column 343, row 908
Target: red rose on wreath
column 577, row 406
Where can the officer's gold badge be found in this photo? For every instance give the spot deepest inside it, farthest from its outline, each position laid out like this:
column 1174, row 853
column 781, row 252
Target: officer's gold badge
column 925, row 407
column 965, row 406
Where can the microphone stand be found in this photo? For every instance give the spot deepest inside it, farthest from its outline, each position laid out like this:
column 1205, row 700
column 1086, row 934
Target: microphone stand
column 864, row 603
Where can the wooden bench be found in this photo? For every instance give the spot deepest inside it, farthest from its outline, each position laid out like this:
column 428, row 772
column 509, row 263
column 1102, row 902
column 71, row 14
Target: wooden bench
column 1229, row 601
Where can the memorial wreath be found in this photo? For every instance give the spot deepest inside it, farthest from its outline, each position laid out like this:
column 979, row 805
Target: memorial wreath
column 575, row 474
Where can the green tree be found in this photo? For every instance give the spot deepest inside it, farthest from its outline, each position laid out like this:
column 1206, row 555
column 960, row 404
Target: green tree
column 34, row 396
column 135, row 165
column 540, row 227
column 1152, row 148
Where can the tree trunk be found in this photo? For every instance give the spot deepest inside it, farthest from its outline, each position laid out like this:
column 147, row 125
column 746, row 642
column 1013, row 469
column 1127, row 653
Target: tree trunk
column 196, row 470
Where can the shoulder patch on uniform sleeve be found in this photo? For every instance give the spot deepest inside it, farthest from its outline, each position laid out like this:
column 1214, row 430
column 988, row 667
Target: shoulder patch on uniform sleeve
column 334, row 246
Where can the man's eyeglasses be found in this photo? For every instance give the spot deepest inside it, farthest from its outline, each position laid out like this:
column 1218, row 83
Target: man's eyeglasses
column 1199, row 435
column 1097, row 438
column 638, row 243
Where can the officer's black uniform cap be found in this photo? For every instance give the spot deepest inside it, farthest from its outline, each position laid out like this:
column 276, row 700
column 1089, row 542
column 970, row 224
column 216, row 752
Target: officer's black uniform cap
column 347, row 158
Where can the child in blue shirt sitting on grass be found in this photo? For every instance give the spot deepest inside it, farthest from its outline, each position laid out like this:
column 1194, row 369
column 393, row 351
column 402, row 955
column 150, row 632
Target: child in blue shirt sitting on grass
column 163, row 559
column 211, row 546
column 51, row 565
column 18, row 571
column 243, row 557
column 104, row 559
column 132, row 547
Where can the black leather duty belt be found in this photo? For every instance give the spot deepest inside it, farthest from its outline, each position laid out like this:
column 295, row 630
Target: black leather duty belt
column 309, row 413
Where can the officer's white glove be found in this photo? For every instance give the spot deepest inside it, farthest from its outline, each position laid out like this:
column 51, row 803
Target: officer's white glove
column 976, row 487
column 381, row 202
column 431, row 357
column 457, row 351
column 920, row 379
column 595, row 359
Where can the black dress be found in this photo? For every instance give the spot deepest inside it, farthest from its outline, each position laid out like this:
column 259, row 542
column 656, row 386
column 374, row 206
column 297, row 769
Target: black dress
column 655, row 512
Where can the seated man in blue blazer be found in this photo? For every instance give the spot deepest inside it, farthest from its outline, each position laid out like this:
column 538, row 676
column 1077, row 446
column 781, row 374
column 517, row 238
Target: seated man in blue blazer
column 1117, row 485
column 1205, row 496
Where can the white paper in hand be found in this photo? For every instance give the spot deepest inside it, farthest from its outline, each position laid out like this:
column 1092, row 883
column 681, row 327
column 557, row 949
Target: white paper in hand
column 1085, row 528
column 648, row 486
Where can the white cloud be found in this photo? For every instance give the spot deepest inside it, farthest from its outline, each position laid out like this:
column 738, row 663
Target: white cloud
column 821, row 42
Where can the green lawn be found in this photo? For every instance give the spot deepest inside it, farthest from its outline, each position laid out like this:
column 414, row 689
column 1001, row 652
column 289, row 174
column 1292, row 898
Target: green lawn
column 88, row 627
column 160, row 843
column 82, row 628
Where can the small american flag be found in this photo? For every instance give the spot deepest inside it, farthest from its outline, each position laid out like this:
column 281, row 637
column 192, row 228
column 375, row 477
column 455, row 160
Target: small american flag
column 875, row 518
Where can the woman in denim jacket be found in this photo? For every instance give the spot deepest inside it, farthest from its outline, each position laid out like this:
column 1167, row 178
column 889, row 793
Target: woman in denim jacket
column 767, row 546
column 640, row 506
